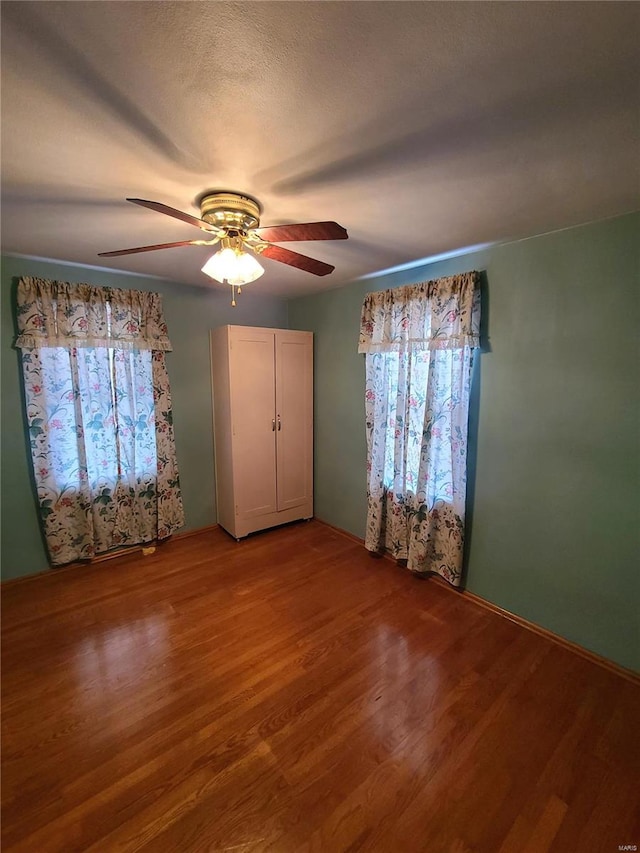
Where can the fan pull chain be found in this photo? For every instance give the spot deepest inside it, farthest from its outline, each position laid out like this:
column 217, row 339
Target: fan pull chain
column 233, row 296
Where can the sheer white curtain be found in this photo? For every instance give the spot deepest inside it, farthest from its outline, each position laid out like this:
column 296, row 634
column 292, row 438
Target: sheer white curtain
column 419, row 343
column 98, row 408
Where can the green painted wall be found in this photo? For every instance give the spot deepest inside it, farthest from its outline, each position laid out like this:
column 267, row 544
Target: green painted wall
column 190, row 313
column 553, row 502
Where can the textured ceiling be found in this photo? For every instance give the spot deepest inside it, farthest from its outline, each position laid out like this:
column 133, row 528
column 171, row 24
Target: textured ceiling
column 422, row 128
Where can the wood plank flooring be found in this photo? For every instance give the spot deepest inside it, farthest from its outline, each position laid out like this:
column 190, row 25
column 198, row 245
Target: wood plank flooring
column 291, row 693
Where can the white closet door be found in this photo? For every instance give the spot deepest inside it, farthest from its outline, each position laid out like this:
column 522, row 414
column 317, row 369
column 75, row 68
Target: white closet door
column 294, row 406
column 252, row 374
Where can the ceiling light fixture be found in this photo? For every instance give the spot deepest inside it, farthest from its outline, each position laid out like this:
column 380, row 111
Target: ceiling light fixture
column 232, row 265
column 233, row 220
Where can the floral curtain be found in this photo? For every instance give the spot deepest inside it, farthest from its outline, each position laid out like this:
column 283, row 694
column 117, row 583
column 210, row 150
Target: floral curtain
column 98, row 408
column 419, row 343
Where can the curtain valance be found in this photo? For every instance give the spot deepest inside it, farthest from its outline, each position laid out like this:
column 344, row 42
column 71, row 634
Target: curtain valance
column 59, row 314
column 439, row 314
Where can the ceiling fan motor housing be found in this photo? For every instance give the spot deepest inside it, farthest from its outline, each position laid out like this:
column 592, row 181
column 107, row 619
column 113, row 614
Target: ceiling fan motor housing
column 230, row 210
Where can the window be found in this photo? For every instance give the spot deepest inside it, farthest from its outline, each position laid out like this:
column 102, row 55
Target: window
column 98, row 407
column 106, row 394
column 412, row 417
column 419, row 343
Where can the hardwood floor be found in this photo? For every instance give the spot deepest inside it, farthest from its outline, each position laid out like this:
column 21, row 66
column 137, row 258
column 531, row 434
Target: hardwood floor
column 291, row 693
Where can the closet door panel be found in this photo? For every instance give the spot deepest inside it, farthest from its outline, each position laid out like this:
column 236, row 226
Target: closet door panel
column 294, row 406
column 252, row 381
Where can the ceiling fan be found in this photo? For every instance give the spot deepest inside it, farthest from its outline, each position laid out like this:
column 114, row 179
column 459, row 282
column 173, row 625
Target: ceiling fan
column 232, row 219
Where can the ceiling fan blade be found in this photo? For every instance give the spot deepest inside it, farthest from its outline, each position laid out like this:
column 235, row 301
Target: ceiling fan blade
column 303, row 231
column 148, row 248
column 178, row 214
column 302, row 262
